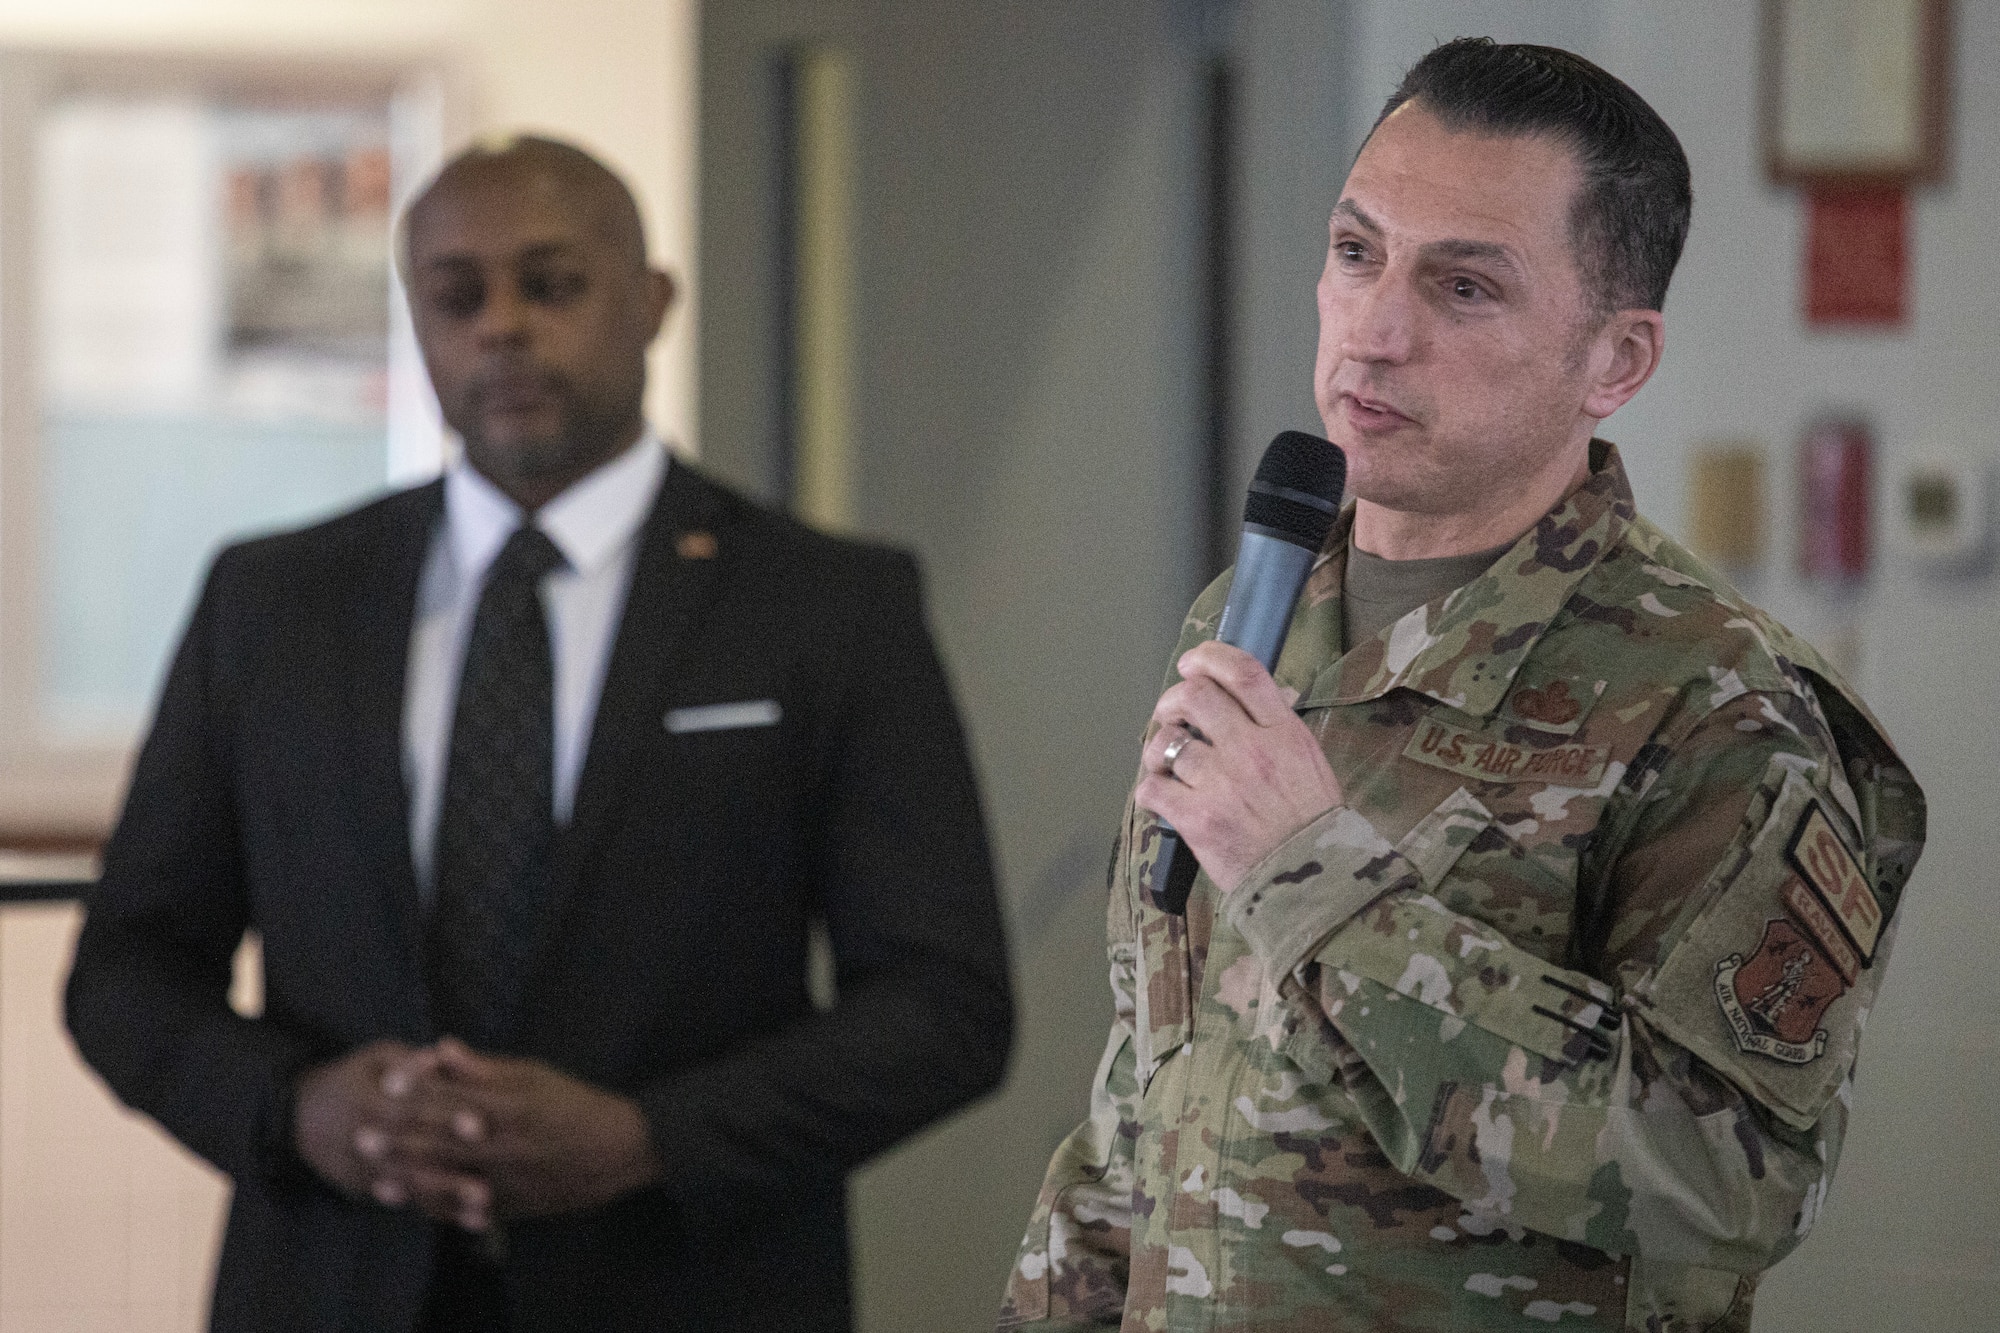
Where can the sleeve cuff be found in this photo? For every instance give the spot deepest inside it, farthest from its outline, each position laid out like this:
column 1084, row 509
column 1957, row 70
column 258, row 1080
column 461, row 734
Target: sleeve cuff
column 1315, row 880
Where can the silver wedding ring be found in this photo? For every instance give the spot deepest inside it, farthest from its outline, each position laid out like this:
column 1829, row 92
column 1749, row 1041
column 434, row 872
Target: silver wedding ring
column 1173, row 751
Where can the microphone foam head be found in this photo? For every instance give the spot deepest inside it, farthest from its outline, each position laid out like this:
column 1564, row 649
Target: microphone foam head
column 1296, row 493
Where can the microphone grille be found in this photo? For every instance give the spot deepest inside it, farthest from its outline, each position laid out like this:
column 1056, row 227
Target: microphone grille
column 1298, row 486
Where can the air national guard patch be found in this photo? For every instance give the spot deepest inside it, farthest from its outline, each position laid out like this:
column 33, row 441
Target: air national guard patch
column 1774, row 1001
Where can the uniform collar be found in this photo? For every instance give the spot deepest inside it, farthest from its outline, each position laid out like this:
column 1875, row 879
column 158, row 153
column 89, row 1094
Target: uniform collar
column 1465, row 648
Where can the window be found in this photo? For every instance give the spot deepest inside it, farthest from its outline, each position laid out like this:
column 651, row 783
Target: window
column 199, row 339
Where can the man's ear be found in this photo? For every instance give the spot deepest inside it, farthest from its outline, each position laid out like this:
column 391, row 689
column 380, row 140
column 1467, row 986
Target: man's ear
column 660, row 293
column 1623, row 356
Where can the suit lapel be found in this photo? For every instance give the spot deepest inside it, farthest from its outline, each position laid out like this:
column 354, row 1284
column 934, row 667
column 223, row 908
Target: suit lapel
column 674, row 578
column 384, row 609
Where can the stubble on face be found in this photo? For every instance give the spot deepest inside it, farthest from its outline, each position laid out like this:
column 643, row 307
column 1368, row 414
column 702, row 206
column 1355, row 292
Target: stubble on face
column 1455, row 336
column 582, row 436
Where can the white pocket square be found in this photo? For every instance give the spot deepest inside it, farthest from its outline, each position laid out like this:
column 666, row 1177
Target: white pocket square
column 724, row 717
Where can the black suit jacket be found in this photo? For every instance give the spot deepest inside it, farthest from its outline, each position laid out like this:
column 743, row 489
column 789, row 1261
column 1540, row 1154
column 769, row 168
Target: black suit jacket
column 270, row 796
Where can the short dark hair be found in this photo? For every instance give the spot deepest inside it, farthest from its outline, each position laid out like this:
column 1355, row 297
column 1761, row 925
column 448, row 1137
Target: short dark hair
column 1630, row 217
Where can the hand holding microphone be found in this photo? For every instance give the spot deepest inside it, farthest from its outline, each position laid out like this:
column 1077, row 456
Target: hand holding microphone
column 1230, row 760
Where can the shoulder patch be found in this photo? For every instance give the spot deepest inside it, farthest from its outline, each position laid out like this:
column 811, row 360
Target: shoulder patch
column 1810, row 909
column 1824, row 862
column 1758, row 984
column 1775, row 1000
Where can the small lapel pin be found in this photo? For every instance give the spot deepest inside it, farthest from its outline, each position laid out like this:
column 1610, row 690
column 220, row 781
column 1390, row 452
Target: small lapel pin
column 696, row 545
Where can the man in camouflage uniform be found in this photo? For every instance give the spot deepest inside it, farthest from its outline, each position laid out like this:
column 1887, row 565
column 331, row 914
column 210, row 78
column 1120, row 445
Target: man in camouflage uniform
column 1537, row 926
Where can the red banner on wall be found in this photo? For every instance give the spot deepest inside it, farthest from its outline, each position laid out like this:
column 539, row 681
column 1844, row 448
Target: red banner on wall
column 1857, row 255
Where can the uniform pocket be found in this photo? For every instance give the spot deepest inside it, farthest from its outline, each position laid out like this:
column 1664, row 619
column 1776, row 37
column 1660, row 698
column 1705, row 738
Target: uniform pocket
column 1075, row 1255
column 1160, row 983
column 1444, row 835
column 1419, row 949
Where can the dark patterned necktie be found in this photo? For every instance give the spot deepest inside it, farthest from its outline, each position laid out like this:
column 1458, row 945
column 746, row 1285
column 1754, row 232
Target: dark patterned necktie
column 496, row 825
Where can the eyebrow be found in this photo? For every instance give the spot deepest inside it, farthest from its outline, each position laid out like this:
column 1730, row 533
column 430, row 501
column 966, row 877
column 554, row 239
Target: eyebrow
column 1480, row 251
column 1434, row 251
column 1349, row 209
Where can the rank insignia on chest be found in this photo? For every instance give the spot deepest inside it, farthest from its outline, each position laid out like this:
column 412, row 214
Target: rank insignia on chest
column 1552, row 704
column 1775, row 999
column 1487, row 756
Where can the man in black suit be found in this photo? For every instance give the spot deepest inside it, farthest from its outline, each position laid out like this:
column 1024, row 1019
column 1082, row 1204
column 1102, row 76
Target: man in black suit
column 531, row 781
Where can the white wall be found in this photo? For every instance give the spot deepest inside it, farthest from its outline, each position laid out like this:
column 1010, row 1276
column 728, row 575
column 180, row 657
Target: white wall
column 617, row 76
column 1907, row 1240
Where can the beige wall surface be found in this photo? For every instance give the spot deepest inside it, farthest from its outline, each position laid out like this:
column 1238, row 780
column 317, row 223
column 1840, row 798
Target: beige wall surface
column 106, row 1225
column 618, row 76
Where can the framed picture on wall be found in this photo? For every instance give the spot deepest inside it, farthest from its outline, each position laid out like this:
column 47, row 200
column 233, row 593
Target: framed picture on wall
column 1856, row 91
column 203, row 342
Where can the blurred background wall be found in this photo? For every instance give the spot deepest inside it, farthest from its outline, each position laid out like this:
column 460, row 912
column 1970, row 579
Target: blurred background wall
column 1037, row 351
column 616, row 74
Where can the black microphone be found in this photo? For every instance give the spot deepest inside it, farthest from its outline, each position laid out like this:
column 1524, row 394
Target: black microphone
column 1291, row 507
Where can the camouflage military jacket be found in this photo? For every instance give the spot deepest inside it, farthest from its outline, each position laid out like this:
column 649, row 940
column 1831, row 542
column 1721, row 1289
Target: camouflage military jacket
column 1551, row 1022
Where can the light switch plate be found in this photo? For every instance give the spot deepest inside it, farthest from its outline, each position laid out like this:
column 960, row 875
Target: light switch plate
column 1942, row 509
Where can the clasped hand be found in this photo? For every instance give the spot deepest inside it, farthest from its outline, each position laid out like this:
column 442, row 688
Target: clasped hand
column 1248, row 773
column 466, row 1137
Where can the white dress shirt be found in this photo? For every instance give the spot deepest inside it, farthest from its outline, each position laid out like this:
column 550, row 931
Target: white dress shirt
column 595, row 524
